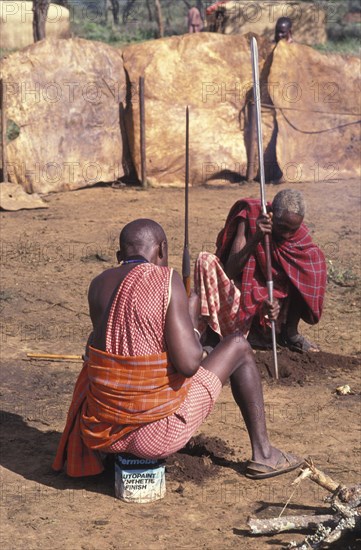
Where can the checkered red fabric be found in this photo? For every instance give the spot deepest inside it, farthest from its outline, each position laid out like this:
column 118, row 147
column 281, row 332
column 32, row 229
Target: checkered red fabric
column 219, row 296
column 137, row 317
column 116, row 395
column 166, row 436
column 297, row 261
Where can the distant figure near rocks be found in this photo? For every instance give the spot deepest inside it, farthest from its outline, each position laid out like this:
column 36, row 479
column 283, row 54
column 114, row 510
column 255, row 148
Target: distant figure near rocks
column 283, row 30
column 195, row 21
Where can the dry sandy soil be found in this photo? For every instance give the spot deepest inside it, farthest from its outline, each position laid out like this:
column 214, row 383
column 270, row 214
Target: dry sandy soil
column 48, row 259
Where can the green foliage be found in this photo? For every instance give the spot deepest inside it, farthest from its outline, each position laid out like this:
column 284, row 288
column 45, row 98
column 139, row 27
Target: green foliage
column 337, row 28
column 12, row 130
column 343, row 37
column 348, row 46
column 110, row 34
column 4, row 52
column 136, row 22
column 340, row 276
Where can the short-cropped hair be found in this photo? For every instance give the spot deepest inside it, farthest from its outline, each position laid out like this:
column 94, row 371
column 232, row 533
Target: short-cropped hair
column 288, row 200
column 284, row 21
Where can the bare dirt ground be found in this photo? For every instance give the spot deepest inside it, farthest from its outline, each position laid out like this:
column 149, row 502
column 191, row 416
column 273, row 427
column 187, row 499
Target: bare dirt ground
column 48, row 259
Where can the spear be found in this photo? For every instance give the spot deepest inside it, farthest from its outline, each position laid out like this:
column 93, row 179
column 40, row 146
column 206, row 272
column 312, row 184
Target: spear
column 186, row 264
column 257, row 102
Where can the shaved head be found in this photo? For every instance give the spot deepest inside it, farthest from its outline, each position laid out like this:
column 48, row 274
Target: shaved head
column 283, row 29
column 141, row 236
column 284, row 22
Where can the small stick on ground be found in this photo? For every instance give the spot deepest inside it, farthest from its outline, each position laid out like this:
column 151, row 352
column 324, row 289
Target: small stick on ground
column 54, row 357
column 319, row 477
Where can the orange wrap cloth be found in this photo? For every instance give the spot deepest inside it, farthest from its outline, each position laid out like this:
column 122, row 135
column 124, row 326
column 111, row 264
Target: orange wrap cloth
column 113, row 396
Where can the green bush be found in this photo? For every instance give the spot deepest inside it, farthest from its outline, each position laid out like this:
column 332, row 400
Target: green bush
column 349, row 46
column 134, row 26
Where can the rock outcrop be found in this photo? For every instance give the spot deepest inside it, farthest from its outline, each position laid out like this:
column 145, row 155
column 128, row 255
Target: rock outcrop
column 317, row 100
column 210, row 73
column 64, row 96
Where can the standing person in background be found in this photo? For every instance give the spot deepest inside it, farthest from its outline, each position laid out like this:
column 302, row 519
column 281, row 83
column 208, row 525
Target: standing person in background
column 195, row 22
column 283, row 30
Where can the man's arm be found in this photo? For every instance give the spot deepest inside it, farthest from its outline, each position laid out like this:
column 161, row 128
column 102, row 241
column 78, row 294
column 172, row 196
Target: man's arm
column 92, row 313
column 242, row 248
column 184, row 348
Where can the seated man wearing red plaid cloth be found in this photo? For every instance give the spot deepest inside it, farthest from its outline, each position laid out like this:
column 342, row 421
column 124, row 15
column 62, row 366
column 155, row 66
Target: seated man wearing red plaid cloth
column 144, row 388
column 232, row 284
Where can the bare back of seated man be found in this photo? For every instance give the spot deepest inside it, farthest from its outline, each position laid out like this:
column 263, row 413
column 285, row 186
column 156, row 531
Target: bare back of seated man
column 144, row 248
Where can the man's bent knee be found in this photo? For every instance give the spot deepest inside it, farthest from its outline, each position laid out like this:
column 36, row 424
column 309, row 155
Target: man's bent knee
column 239, row 343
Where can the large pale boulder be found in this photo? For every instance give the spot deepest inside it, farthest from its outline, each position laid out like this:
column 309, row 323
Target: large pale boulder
column 16, row 24
column 240, row 17
column 210, row 73
column 64, row 95
column 317, row 100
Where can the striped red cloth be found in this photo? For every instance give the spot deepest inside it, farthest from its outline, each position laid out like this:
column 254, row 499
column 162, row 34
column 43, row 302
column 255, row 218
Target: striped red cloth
column 136, row 326
column 80, row 460
column 215, row 6
column 129, row 385
column 297, row 261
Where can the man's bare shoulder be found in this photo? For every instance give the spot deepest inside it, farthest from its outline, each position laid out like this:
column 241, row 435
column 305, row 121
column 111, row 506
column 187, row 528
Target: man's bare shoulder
column 104, row 277
column 177, row 284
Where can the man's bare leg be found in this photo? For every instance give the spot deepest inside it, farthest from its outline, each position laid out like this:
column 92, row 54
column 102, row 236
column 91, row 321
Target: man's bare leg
column 233, row 358
column 293, row 339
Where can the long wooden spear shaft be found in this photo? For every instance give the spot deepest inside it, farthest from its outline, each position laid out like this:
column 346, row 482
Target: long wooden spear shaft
column 186, row 264
column 257, row 102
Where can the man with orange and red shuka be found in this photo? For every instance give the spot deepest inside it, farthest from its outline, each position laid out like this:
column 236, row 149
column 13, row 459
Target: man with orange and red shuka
column 232, row 284
column 145, row 388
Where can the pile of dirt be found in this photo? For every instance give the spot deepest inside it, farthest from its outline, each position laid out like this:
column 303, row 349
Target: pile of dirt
column 302, row 368
column 203, row 457
column 199, row 460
